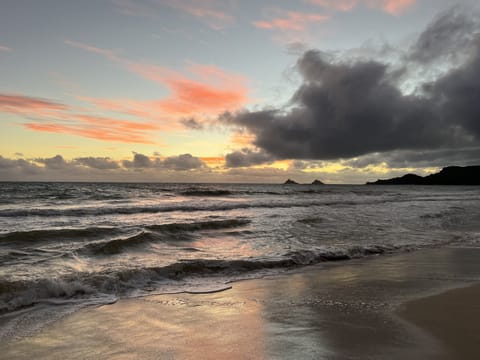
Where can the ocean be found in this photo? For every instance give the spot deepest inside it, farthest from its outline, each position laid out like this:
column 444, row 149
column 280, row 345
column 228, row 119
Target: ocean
column 64, row 246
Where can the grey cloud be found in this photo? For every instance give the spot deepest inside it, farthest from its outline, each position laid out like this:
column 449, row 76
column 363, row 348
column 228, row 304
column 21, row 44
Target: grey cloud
column 247, row 157
column 54, row 163
column 183, row 162
column 180, row 162
column 101, row 163
column 192, row 123
column 451, row 34
column 348, row 109
column 18, row 165
column 139, row 161
column 418, row 159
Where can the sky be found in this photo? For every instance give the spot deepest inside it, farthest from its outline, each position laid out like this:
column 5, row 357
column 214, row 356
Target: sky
column 345, row 91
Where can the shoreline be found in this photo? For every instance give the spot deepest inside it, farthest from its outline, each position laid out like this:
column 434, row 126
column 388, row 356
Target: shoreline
column 361, row 309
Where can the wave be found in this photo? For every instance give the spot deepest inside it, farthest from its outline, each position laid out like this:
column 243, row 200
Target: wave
column 201, row 225
column 206, row 192
column 166, row 232
column 36, row 236
column 119, row 283
column 98, row 211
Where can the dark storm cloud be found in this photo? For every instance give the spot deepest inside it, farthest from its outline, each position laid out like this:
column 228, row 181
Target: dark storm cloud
column 101, row 163
column 352, row 108
column 419, row 159
column 247, row 157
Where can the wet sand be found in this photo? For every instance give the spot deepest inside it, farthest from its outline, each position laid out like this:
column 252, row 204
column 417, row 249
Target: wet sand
column 389, row 307
column 453, row 317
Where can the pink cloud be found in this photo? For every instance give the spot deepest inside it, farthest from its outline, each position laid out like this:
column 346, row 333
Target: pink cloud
column 99, row 128
column 292, row 21
column 5, row 48
column 200, row 90
column 110, row 54
column 209, row 11
column 217, row 14
column 26, row 105
column 59, row 118
column 393, row 7
column 340, row 5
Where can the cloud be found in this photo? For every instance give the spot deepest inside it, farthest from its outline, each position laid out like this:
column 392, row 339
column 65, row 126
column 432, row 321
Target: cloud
column 349, row 108
column 5, row 48
column 102, row 163
column 418, row 159
column 139, row 161
column 50, row 116
column 215, row 14
column 182, row 162
column 393, row 7
column 56, row 163
column 451, row 35
column 98, row 128
column 191, row 123
column 25, row 105
column 247, row 157
column 9, row 168
column 293, row 21
column 200, row 90
column 339, row 5
column 290, row 27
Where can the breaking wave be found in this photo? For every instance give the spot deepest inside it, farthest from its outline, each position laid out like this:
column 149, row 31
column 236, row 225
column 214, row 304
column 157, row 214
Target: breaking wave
column 121, row 283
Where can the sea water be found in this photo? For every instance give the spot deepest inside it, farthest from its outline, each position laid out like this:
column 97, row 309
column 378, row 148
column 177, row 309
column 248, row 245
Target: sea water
column 64, row 246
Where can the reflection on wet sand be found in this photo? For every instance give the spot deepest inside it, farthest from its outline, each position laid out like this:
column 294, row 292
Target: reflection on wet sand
column 333, row 312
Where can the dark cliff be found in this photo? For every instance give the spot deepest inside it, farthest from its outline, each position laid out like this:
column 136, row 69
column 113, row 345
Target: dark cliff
column 452, row 175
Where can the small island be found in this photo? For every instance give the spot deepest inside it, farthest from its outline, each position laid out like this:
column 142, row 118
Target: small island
column 293, row 182
column 451, row 175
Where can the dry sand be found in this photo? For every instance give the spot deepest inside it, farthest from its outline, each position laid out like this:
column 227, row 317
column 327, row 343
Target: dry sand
column 346, row 310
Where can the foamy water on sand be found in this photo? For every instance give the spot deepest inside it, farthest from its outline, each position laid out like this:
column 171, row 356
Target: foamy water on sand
column 65, row 246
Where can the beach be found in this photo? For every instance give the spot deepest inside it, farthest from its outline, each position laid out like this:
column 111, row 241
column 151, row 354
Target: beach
column 419, row 305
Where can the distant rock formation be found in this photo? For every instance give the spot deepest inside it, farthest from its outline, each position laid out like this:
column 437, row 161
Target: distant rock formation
column 317, row 182
column 290, row 182
column 452, row 175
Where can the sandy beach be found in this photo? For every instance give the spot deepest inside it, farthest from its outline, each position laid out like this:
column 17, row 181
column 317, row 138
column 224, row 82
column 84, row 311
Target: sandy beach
column 420, row 305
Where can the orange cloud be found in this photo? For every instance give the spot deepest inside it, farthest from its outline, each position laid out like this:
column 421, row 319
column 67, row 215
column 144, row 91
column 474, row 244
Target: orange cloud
column 100, row 128
column 213, row 161
column 242, row 139
column 59, row 118
column 293, row 21
column 205, row 90
column 220, row 92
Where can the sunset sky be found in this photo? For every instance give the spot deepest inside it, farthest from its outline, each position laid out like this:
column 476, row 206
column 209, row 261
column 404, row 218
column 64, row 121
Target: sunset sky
column 345, row 91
